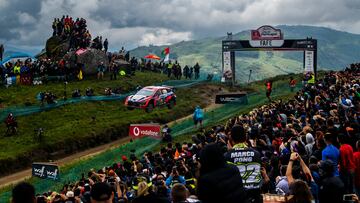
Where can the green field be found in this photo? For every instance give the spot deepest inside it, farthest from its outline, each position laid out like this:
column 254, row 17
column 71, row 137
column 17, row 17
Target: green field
column 71, row 127
column 182, row 131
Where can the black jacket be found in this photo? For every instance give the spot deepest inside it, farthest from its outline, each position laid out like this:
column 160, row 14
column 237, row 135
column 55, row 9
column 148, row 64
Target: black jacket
column 221, row 185
column 331, row 190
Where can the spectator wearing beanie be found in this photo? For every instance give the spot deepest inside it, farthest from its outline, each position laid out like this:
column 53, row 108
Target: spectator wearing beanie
column 218, row 181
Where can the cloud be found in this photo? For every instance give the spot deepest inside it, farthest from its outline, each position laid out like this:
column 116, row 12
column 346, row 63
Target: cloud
column 161, row 36
column 132, row 23
column 25, row 18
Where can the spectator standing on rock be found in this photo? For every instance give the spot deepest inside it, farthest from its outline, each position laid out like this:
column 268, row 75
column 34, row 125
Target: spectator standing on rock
column 106, row 45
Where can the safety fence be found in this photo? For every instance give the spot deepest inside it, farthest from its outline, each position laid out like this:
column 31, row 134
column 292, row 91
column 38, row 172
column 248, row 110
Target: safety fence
column 181, row 128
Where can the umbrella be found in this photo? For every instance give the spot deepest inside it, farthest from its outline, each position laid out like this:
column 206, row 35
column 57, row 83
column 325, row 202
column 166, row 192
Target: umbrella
column 152, row 56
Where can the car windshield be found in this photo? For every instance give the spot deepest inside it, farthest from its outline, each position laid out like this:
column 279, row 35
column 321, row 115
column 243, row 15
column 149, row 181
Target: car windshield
column 145, row 92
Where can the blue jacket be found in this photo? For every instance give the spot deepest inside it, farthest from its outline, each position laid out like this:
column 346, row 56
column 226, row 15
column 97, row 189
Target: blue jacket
column 198, row 114
column 180, row 179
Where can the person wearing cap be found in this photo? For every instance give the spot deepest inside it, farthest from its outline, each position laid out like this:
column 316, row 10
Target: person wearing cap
column 247, row 160
column 70, row 197
column 144, row 194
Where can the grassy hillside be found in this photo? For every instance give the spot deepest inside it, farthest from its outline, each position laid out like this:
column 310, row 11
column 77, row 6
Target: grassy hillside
column 72, row 127
column 336, row 49
column 182, row 131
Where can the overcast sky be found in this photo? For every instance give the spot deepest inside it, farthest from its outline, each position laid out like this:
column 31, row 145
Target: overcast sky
column 130, row 23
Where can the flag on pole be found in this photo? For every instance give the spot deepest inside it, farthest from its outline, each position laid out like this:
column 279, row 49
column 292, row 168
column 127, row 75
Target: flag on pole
column 166, row 54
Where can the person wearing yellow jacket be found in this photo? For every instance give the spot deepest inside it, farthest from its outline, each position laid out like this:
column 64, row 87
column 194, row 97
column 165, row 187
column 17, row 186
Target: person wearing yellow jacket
column 312, row 79
column 169, row 70
column 16, row 69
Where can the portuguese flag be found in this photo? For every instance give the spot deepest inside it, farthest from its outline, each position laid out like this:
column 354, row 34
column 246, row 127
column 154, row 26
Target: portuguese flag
column 166, row 53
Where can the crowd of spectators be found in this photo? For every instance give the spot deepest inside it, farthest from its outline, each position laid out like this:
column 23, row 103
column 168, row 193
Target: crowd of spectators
column 171, row 69
column 307, row 149
column 26, row 71
column 77, row 33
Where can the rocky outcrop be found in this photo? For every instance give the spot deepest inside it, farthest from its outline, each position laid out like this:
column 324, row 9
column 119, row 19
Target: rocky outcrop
column 56, row 47
column 91, row 58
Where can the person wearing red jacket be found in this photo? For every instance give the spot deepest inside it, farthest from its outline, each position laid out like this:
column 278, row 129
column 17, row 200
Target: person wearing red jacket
column 346, row 163
column 357, row 168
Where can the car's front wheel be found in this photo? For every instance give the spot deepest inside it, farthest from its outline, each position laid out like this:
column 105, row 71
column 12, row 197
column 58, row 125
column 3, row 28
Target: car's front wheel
column 171, row 104
column 149, row 108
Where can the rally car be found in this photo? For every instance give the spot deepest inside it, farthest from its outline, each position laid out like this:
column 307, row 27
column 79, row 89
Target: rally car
column 150, row 97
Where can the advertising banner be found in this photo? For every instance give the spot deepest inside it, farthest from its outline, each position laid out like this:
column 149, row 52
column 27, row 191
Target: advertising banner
column 45, row 171
column 227, row 72
column 231, row 97
column 142, row 130
column 309, row 62
column 266, row 32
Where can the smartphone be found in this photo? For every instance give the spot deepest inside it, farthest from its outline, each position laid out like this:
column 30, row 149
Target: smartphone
column 348, row 197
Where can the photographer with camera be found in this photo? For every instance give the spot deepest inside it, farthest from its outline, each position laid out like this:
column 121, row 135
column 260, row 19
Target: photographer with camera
column 175, row 178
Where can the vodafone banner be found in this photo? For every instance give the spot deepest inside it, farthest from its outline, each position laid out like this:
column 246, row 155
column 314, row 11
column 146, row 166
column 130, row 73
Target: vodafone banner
column 142, row 130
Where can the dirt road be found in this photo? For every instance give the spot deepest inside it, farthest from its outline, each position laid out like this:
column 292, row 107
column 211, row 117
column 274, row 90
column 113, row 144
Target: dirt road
column 26, row 174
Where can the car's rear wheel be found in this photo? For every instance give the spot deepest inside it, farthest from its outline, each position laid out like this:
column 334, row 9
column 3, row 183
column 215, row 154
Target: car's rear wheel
column 149, row 108
column 171, row 104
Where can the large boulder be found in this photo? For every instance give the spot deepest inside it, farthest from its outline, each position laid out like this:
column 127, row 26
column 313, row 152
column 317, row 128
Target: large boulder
column 56, row 47
column 91, row 58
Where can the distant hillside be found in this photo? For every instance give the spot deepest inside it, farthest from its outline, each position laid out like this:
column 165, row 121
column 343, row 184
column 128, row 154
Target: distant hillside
column 336, row 49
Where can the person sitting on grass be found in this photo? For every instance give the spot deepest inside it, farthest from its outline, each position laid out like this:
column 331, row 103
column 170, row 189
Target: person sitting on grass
column 89, row 92
column 76, row 93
